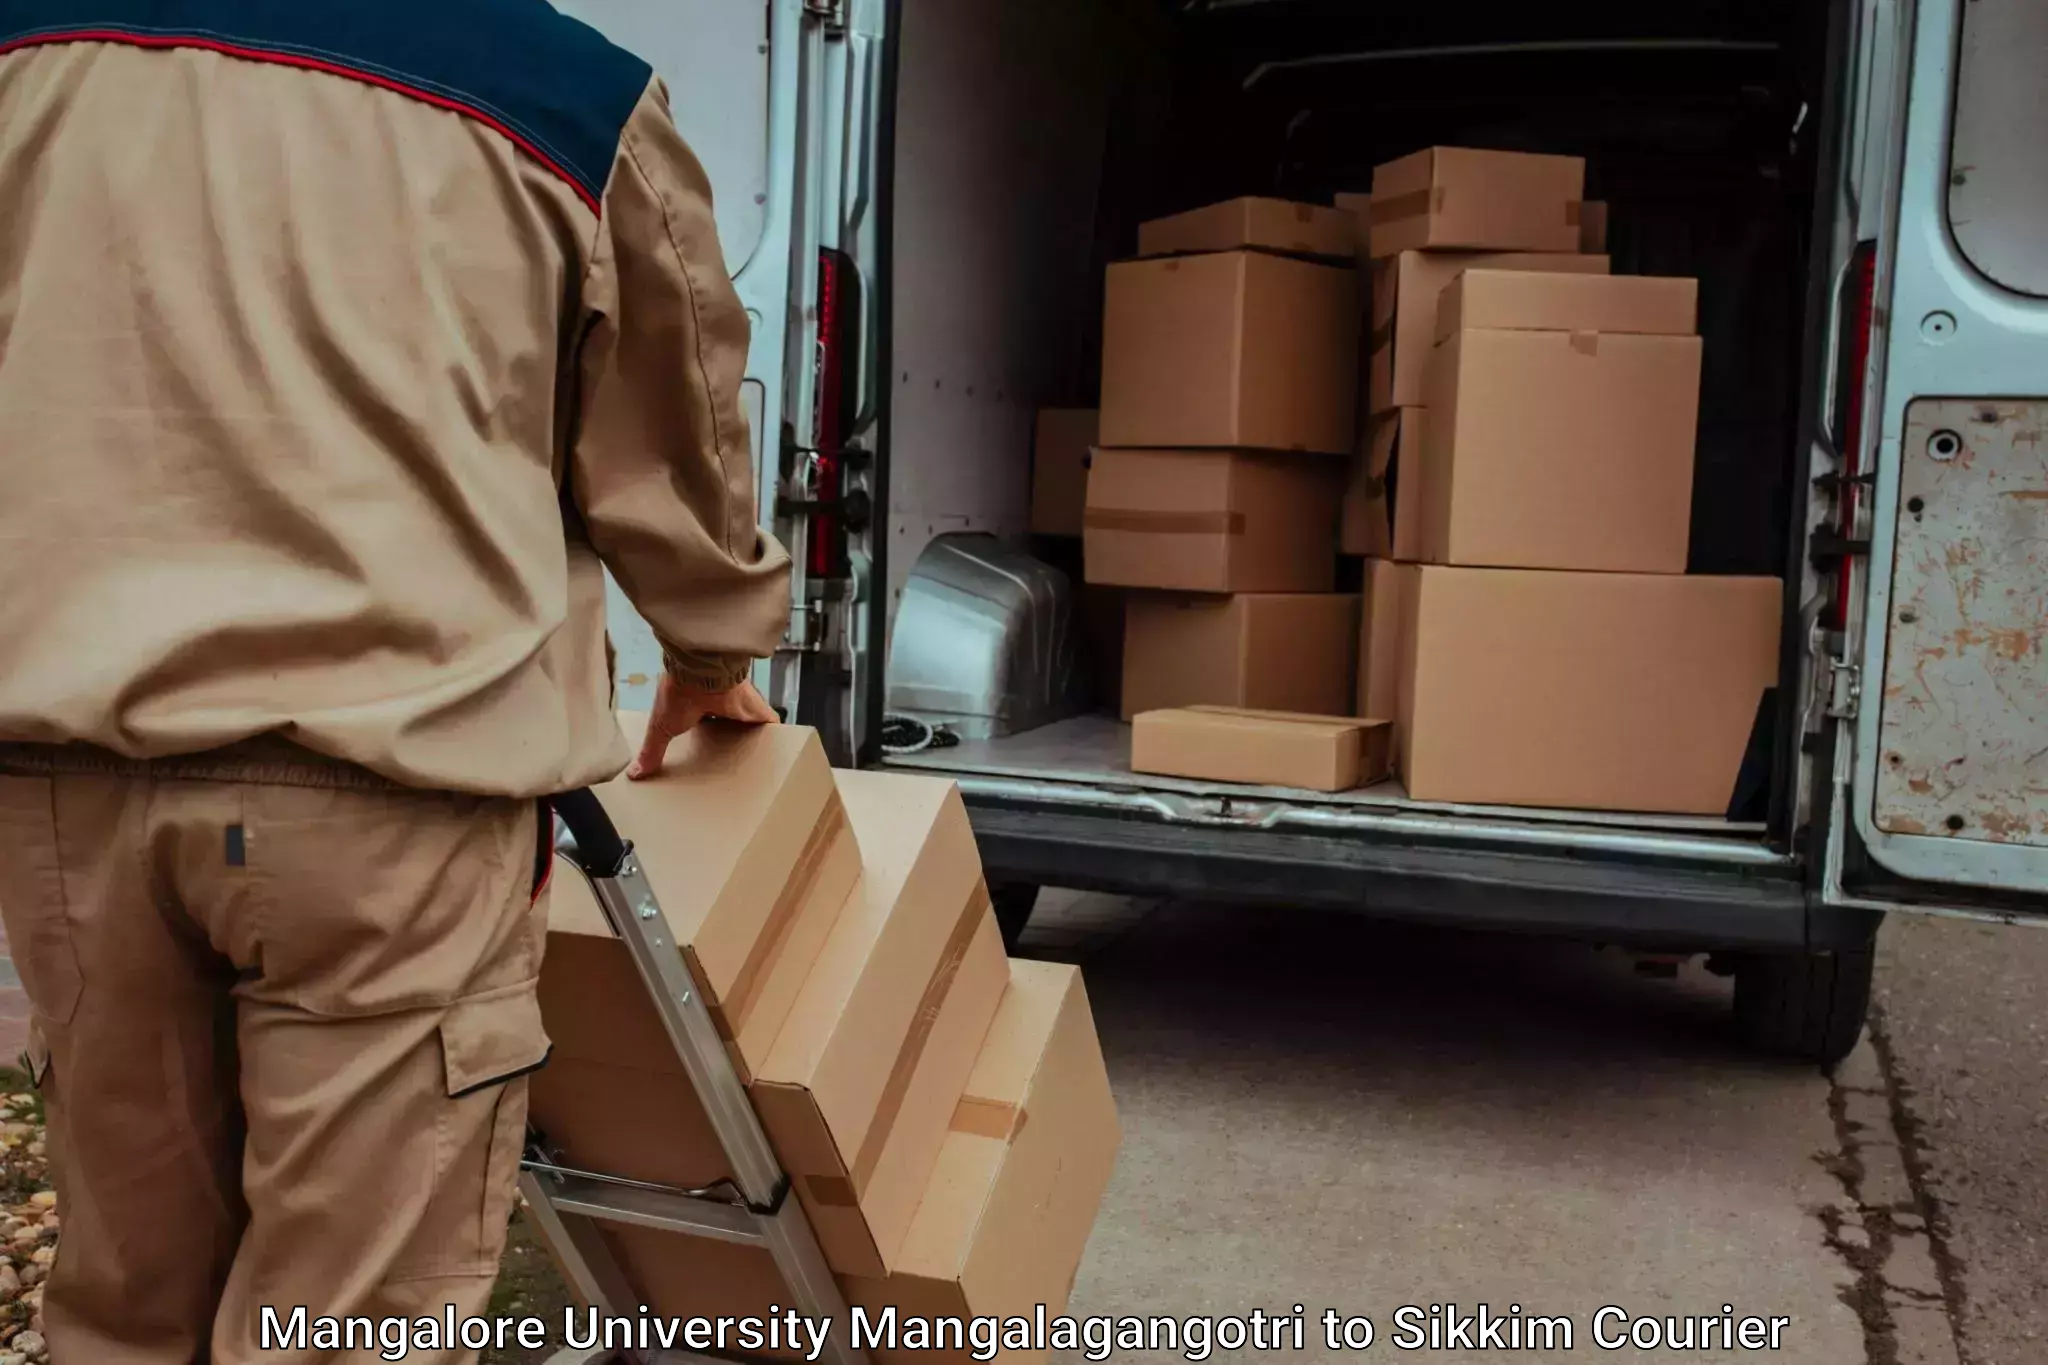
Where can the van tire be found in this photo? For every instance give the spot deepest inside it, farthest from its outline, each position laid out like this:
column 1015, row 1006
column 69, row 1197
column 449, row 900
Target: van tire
column 1808, row 1006
column 1014, row 902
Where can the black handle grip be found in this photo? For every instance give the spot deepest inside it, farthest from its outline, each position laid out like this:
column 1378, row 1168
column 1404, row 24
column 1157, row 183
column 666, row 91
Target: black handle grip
column 600, row 851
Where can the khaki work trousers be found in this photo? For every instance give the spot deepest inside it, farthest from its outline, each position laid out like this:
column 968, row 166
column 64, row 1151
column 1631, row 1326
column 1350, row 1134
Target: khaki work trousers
column 283, row 1016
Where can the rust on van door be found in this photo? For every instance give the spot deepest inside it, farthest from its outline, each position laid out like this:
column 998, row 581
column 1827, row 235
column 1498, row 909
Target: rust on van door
column 1964, row 734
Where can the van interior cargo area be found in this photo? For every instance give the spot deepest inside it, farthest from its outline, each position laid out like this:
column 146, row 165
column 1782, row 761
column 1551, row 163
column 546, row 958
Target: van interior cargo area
column 1031, row 137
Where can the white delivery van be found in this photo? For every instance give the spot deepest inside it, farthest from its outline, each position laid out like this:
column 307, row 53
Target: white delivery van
column 918, row 199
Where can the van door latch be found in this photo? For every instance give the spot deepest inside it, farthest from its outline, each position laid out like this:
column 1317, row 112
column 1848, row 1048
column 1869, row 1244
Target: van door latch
column 1845, row 689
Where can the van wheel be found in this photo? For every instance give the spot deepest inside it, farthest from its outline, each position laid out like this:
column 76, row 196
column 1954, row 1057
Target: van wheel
column 1808, row 1006
column 1013, row 902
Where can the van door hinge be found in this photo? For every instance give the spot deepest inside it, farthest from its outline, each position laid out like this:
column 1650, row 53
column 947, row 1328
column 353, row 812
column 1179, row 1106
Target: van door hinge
column 833, row 12
column 1845, row 689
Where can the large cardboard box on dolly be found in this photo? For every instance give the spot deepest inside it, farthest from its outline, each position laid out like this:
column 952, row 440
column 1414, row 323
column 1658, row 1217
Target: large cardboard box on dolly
column 1561, row 433
column 1264, row 748
column 1599, row 691
column 1059, row 469
column 857, row 1088
column 1212, row 520
column 1459, row 198
column 1405, row 292
column 1239, row 349
column 748, row 848
column 1008, row 1210
column 1268, row 651
column 1261, row 224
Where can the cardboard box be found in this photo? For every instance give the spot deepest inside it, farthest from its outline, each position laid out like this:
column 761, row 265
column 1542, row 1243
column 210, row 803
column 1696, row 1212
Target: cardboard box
column 1257, row 224
column 1006, row 1216
column 1593, row 226
column 1598, row 691
column 1388, row 471
column 1460, row 198
column 1240, row 349
column 1388, row 589
column 1561, row 449
column 1059, row 469
column 1405, row 292
column 1268, row 651
column 748, row 849
column 1525, row 300
column 752, row 858
column 1268, row 748
column 858, row 1090
column 1213, row 520
column 857, row 1093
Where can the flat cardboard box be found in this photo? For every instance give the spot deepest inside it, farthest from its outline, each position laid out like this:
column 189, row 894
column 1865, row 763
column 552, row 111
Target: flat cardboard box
column 1593, row 226
column 1390, row 468
column 1528, row 300
column 1460, row 198
column 1406, row 290
column 1388, row 588
column 752, row 858
column 860, row 1085
column 1268, row 651
column 1265, row 748
column 1006, row 1215
column 1561, row 450
column 1239, row 349
column 1253, row 223
column 1213, row 520
column 1596, row 691
column 1059, row 469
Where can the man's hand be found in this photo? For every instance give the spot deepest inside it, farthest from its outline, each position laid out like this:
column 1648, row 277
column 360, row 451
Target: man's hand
column 677, row 710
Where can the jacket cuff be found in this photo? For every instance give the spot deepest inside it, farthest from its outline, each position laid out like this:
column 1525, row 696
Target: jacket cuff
column 705, row 672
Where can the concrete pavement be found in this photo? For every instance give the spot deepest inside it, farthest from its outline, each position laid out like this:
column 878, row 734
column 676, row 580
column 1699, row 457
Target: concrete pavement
column 1358, row 1117
column 1962, row 1029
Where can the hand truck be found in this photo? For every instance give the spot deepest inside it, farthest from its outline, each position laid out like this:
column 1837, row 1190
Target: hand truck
column 754, row 1207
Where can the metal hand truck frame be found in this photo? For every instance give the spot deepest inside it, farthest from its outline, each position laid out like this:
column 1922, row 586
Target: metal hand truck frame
column 754, row 1207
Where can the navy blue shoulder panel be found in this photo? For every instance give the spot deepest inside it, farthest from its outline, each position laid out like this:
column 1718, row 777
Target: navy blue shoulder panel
column 544, row 80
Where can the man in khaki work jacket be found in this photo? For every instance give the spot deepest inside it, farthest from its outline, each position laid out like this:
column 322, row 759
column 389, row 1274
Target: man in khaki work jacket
column 339, row 343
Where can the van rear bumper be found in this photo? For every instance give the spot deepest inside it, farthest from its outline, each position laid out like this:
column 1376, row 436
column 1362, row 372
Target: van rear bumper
column 1670, row 904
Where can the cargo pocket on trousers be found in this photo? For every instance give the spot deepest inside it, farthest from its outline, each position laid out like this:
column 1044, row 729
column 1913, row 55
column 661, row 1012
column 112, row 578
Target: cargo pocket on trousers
column 489, row 1045
column 32, row 899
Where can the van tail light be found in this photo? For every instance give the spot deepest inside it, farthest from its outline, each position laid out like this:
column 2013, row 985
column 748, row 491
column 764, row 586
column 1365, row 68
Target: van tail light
column 836, row 407
column 1857, row 321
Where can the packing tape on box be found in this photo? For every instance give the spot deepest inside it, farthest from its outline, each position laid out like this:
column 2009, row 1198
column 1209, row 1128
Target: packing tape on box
column 1164, row 523
column 972, row 917
column 1417, row 203
column 732, row 1011
column 988, row 1118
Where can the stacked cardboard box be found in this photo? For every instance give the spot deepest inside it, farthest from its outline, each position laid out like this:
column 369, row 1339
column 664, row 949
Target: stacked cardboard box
column 1532, row 629
column 840, row 929
column 1432, row 216
column 1229, row 395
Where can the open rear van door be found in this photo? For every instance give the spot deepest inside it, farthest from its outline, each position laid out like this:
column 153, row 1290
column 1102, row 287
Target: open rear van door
column 763, row 93
column 1940, row 791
